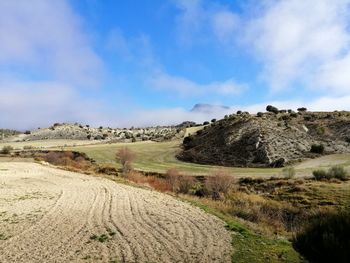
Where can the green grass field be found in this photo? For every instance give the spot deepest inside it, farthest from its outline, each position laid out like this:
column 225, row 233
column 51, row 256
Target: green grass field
column 160, row 156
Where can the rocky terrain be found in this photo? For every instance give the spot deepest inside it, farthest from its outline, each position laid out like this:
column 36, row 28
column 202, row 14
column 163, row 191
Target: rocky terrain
column 80, row 132
column 268, row 139
column 4, row 133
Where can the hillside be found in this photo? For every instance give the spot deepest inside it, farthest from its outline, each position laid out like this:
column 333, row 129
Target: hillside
column 269, row 139
column 80, row 132
column 4, row 133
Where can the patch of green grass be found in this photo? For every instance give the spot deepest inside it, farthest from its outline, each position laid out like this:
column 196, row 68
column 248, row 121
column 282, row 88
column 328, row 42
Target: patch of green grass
column 159, row 157
column 102, row 238
column 3, row 236
column 249, row 246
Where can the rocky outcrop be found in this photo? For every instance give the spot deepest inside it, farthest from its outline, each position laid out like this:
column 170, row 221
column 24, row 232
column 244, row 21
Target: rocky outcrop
column 271, row 140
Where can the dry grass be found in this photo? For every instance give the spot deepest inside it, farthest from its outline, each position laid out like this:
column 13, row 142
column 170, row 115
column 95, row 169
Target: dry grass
column 156, row 183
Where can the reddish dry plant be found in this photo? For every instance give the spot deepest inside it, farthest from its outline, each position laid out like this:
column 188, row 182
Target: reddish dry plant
column 125, row 156
column 156, row 183
column 179, row 183
column 218, row 183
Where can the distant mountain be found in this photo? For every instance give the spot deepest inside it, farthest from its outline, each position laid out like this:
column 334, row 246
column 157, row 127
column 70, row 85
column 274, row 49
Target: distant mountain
column 208, row 108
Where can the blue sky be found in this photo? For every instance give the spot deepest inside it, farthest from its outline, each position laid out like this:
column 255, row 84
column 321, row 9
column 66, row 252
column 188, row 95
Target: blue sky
column 140, row 63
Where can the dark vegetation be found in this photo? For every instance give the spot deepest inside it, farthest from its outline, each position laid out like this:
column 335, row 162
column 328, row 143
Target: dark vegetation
column 6, row 149
column 317, row 148
column 335, row 172
column 326, row 238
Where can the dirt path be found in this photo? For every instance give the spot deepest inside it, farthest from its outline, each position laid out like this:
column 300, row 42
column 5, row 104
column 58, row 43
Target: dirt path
column 50, row 215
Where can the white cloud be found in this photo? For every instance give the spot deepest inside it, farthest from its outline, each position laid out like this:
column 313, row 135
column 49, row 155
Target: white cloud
column 199, row 19
column 46, row 60
column 303, row 44
column 33, row 104
column 185, row 87
column 46, row 36
column 296, row 39
column 225, row 23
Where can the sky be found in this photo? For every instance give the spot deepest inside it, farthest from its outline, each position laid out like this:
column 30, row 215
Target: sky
column 143, row 63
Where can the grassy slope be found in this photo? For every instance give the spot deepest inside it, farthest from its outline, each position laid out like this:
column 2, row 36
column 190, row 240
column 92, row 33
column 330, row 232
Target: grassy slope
column 249, row 246
column 160, row 156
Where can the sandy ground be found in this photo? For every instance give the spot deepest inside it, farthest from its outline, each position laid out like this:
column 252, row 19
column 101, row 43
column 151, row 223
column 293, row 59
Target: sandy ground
column 50, row 215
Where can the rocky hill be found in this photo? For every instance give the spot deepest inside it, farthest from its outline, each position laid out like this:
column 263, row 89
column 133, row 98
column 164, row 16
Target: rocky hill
column 268, row 139
column 80, row 132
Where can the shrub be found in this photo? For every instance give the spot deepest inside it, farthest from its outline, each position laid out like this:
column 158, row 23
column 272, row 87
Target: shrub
column 27, row 132
column 260, row 114
column 317, row 148
column 288, row 172
column 179, row 183
column 338, row 172
column 239, row 112
column 125, row 156
column 325, row 239
column 6, row 149
column 320, row 174
column 271, row 108
column 172, row 176
column 27, row 147
column 213, row 120
column 186, row 183
column 218, row 183
column 206, row 123
column 106, row 169
column 302, row 109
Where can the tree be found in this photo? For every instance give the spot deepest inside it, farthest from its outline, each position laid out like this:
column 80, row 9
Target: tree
column 302, row 109
column 125, row 156
column 271, row 108
column 213, row 120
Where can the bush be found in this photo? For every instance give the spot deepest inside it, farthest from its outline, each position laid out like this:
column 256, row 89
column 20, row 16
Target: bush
column 317, row 148
column 179, row 183
column 239, row 112
column 218, row 183
column 185, row 184
column 271, row 108
column 206, row 123
column 325, row 239
column 27, row 147
column 6, row 149
column 172, row 176
column 27, row 132
column 336, row 172
column 288, row 172
column 213, row 120
column 302, row 109
column 320, row 174
column 125, row 156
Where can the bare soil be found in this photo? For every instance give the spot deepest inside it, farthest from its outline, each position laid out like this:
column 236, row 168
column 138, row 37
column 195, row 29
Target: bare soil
column 51, row 215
